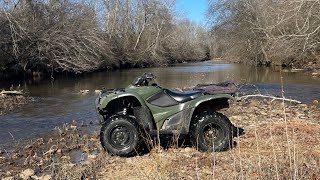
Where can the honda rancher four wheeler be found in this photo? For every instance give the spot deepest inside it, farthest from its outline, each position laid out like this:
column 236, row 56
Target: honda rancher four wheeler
column 145, row 109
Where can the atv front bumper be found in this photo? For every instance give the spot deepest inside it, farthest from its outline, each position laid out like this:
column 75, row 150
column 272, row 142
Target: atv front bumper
column 99, row 116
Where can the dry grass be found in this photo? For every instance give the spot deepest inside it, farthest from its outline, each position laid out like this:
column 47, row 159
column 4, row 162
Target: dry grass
column 262, row 153
column 265, row 151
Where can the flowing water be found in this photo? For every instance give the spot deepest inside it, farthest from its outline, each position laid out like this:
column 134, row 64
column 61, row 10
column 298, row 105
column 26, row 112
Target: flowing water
column 58, row 102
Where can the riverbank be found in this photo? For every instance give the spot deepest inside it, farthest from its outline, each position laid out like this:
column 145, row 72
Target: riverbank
column 311, row 68
column 10, row 100
column 280, row 141
column 20, row 75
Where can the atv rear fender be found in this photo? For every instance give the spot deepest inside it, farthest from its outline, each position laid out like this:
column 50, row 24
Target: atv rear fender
column 219, row 100
column 181, row 121
column 207, row 103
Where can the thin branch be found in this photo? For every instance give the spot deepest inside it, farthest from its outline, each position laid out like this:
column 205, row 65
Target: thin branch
column 267, row 96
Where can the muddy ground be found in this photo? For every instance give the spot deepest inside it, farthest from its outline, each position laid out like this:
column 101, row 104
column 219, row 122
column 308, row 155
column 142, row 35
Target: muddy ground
column 281, row 141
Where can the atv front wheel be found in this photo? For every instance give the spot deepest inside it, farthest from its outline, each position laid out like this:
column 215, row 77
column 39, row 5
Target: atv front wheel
column 211, row 132
column 120, row 136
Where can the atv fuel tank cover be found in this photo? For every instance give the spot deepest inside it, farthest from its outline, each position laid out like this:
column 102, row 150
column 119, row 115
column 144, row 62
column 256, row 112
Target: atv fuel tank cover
column 184, row 96
column 162, row 99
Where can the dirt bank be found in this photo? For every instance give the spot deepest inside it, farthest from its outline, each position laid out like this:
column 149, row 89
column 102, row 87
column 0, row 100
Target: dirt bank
column 10, row 100
column 280, row 141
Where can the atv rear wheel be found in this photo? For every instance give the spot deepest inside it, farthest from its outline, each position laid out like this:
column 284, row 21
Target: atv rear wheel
column 120, row 136
column 211, row 132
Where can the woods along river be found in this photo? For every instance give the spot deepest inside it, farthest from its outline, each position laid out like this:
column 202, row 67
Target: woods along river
column 58, row 102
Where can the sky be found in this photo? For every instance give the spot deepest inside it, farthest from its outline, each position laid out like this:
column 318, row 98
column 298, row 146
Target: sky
column 194, row 10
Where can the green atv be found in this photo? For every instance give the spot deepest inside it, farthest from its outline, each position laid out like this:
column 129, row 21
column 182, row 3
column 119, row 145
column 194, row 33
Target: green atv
column 144, row 110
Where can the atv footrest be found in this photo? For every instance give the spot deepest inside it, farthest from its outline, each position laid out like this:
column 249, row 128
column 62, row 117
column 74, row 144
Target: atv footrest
column 164, row 131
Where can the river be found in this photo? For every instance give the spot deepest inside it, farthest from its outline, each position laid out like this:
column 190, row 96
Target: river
column 58, row 102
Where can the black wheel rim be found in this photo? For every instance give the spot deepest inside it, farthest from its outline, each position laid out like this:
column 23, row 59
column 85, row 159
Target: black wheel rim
column 121, row 137
column 212, row 134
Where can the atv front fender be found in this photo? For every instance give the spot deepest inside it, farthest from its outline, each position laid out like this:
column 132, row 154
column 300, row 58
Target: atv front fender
column 104, row 101
column 118, row 102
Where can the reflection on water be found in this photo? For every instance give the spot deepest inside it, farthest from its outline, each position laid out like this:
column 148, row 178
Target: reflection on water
column 58, row 102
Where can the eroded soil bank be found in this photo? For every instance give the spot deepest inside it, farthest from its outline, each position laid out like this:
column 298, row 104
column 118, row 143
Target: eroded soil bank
column 11, row 101
column 280, row 141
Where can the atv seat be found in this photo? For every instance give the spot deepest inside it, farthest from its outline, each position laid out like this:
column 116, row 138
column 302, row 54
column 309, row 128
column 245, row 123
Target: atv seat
column 184, row 96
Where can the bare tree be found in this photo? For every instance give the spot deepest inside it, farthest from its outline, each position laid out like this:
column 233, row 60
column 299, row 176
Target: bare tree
column 86, row 35
column 264, row 31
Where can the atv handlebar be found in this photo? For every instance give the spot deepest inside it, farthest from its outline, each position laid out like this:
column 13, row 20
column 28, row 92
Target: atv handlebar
column 144, row 79
column 149, row 76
